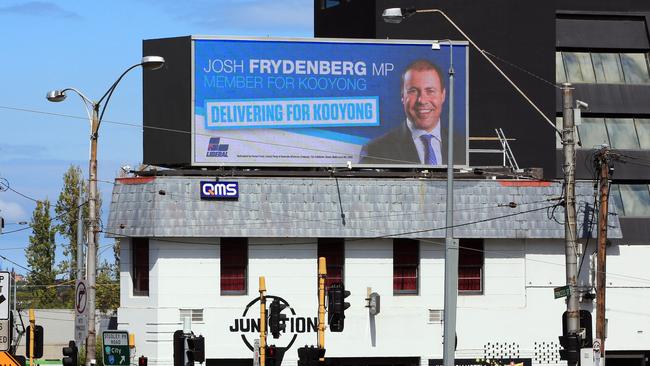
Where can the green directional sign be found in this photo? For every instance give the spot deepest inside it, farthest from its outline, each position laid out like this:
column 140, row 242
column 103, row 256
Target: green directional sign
column 564, row 291
column 116, row 348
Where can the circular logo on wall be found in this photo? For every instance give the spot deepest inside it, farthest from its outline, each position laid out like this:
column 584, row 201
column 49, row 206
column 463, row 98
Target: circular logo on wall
column 248, row 325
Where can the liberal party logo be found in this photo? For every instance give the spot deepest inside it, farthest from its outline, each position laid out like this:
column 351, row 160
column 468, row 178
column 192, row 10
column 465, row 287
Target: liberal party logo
column 249, row 323
column 217, row 150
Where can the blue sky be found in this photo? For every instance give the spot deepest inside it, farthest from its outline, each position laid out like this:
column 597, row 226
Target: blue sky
column 87, row 44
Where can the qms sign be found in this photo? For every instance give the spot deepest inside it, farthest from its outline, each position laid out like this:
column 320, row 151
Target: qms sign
column 219, row 190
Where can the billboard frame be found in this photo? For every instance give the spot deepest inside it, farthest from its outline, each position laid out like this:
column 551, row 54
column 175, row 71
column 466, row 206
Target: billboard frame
column 194, row 163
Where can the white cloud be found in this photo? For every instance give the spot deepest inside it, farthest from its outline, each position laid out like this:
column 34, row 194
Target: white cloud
column 12, row 212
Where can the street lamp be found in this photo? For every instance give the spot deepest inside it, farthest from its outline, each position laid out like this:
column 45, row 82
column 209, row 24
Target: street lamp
column 397, row 15
column 95, row 117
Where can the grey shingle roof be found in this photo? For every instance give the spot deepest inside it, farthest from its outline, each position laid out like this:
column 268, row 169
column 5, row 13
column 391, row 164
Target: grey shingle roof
column 309, row 207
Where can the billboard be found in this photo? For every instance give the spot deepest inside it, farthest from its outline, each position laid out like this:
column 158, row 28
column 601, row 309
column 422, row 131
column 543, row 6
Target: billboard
column 327, row 103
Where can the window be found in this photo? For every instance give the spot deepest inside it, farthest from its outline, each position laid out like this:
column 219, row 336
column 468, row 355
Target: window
column 140, row 260
column 470, row 266
column 631, row 199
column 234, row 266
column 619, row 133
column 643, row 131
column 601, row 68
column 196, row 315
column 406, row 262
column 333, row 250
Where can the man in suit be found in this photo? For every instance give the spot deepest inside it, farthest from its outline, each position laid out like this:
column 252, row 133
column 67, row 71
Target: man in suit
column 421, row 138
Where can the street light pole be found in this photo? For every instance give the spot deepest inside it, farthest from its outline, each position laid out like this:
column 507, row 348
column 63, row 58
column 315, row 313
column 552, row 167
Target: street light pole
column 451, row 245
column 93, row 109
column 397, row 15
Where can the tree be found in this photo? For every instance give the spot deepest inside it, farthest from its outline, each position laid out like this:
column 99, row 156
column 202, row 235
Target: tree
column 40, row 255
column 67, row 209
column 108, row 282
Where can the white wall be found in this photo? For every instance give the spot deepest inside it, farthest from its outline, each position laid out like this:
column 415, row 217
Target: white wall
column 517, row 310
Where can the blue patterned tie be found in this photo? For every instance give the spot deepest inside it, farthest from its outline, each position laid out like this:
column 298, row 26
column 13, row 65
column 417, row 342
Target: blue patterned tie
column 429, row 154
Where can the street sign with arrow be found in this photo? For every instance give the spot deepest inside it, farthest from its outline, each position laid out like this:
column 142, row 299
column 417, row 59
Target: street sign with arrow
column 116, row 348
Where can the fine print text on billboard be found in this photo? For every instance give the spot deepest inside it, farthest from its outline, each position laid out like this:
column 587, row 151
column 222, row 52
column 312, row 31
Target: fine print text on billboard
column 327, row 103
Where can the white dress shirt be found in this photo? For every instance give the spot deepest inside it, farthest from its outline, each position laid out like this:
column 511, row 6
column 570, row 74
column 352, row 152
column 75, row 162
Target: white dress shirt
column 419, row 145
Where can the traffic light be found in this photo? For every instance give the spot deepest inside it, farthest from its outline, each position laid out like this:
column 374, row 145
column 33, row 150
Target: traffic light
column 198, row 348
column 38, row 342
column 585, row 328
column 70, row 355
column 179, row 348
column 189, row 351
column 276, row 319
column 336, row 306
column 309, row 356
column 274, row 355
column 142, row 361
column 571, row 345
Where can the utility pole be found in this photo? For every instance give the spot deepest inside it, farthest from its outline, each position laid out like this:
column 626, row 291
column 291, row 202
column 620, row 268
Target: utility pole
column 570, row 232
column 602, row 162
column 91, row 271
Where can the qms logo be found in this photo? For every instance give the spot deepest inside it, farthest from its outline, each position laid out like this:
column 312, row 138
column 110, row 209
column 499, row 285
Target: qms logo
column 217, row 150
column 219, row 190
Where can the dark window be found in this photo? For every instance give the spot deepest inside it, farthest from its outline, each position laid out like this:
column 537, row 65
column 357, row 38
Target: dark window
column 140, row 260
column 406, row 262
column 470, row 266
column 333, row 249
column 234, row 266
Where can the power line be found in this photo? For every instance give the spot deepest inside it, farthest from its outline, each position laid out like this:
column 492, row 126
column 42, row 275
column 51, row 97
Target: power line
column 142, row 126
column 55, row 218
column 4, row 185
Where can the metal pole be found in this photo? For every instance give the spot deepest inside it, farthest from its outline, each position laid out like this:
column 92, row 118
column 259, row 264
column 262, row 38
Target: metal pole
column 322, row 275
column 568, row 143
column 80, row 235
column 451, row 246
column 262, row 289
column 603, row 161
column 92, row 237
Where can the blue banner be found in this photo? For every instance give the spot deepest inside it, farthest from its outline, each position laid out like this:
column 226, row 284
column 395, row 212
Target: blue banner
column 327, row 103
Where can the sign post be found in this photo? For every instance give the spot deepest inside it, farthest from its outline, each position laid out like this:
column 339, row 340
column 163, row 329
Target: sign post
column 81, row 312
column 116, row 348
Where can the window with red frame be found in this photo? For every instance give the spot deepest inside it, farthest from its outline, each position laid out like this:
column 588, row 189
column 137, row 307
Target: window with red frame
column 140, row 262
column 334, row 252
column 470, row 266
column 234, row 266
column 406, row 263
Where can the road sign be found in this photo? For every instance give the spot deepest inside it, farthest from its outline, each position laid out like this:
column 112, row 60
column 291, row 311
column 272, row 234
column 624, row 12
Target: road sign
column 4, row 295
column 116, row 347
column 80, row 329
column 81, row 298
column 6, row 359
column 4, row 335
column 564, row 291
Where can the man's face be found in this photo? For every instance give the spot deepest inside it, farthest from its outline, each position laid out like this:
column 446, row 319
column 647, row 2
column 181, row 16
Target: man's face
column 423, row 97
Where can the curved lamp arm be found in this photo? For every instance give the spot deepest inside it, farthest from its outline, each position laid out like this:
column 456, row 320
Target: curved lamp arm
column 405, row 13
column 110, row 91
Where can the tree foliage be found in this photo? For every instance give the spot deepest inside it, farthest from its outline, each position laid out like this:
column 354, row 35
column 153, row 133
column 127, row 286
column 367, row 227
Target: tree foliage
column 67, row 209
column 40, row 254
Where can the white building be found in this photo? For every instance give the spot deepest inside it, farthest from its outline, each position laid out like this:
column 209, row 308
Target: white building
column 181, row 255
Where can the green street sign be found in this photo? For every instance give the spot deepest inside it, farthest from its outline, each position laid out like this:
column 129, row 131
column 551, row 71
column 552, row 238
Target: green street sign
column 564, row 291
column 116, row 348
